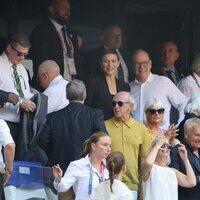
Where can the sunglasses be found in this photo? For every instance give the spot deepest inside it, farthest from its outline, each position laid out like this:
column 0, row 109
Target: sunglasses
column 19, row 54
column 166, row 146
column 153, row 111
column 119, row 103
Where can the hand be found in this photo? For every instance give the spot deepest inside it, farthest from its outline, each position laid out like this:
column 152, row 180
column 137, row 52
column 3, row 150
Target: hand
column 28, row 105
column 57, row 172
column 171, row 133
column 13, row 98
column 182, row 152
column 6, row 176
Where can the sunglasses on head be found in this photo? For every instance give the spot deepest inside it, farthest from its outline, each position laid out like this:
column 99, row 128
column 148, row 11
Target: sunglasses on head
column 166, row 146
column 119, row 103
column 153, row 111
column 19, row 54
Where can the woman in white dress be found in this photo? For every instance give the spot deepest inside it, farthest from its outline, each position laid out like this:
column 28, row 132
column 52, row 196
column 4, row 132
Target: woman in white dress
column 159, row 181
column 113, row 188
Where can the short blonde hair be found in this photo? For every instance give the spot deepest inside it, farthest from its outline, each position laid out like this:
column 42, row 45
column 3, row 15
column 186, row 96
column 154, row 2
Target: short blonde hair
column 151, row 104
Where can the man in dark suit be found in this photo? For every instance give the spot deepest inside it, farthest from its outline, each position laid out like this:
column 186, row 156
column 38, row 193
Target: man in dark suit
column 111, row 37
column 67, row 129
column 192, row 144
column 54, row 40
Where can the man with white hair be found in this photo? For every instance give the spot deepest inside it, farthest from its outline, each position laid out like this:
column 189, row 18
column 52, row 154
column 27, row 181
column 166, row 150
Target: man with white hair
column 147, row 85
column 192, row 144
column 191, row 84
column 129, row 137
column 54, row 85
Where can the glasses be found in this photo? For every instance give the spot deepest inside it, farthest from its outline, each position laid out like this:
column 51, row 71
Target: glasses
column 19, row 54
column 153, row 111
column 144, row 64
column 119, row 103
column 166, row 146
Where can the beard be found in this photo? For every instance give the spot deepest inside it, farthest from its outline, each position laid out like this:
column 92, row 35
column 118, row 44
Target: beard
column 62, row 20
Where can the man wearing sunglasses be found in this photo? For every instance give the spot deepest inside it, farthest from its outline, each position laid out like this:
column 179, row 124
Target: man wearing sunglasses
column 129, row 137
column 192, row 145
column 147, row 86
column 15, row 83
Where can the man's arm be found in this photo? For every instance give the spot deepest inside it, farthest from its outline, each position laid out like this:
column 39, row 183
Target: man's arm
column 98, row 121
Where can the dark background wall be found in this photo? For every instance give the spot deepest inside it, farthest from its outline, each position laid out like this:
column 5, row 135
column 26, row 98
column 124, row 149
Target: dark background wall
column 145, row 23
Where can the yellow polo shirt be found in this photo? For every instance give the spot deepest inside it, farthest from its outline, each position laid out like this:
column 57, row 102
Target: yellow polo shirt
column 130, row 138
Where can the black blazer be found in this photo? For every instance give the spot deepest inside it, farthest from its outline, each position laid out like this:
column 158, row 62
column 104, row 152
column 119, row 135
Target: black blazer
column 66, row 130
column 46, row 44
column 98, row 94
column 92, row 59
column 177, row 163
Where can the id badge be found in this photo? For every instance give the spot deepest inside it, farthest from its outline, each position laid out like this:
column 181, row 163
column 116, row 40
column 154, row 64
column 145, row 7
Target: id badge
column 71, row 66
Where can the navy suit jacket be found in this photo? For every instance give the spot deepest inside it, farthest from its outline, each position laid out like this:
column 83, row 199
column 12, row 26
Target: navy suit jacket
column 177, row 163
column 46, row 45
column 67, row 129
column 92, row 67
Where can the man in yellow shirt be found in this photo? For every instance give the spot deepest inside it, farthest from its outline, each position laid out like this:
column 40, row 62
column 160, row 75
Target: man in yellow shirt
column 128, row 136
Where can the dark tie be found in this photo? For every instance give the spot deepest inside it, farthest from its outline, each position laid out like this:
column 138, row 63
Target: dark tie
column 17, row 82
column 68, row 45
column 172, row 76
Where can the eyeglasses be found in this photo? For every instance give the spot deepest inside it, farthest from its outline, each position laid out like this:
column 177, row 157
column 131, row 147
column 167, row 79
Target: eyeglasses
column 119, row 103
column 166, row 146
column 144, row 63
column 19, row 54
column 153, row 111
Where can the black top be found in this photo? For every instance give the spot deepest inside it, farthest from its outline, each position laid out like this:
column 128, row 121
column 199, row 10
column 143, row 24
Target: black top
column 98, row 94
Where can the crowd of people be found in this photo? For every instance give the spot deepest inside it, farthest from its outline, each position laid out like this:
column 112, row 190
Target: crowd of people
column 109, row 127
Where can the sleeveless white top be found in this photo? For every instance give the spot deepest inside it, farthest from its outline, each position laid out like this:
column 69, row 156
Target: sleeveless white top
column 161, row 185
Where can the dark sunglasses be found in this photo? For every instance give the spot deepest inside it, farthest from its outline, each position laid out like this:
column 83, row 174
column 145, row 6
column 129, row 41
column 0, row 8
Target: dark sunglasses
column 153, row 111
column 166, row 146
column 119, row 103
column 19, row 54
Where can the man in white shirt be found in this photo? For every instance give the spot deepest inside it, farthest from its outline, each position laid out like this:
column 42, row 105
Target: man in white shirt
column 147, row 85
column 190, row 85
column 14, row 79
column 54, row 85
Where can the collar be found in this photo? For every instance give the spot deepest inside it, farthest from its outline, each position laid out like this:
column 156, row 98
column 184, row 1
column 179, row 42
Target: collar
column 149, row 79
column 118, row 123
column 5, row 57
column 56, row 24
column 56, row 79
column 87, row 160
column 196, row 76
column 166, row 69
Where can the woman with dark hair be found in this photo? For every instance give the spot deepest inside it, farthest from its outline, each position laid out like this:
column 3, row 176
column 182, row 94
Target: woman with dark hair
column 113, row 189
column 86, row 173
column 101, row 89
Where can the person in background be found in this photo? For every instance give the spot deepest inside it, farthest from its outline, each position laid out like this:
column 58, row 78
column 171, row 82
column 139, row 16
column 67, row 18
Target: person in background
column 111, row 37
column 154, row 117
column 7, row 157
column 102, row 88
column 169, row 56
column 191, row 84
column 88, row 172
column 158, row 180
column 14, row 80
column 129, row 137
column 192, row 109
column 147, row 85
column 113, row 188
column 54, row 40
column 54, row 85
column 192, row 144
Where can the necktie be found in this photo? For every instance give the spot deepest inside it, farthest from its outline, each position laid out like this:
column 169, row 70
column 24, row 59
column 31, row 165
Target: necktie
column 17, row 82
column 172, row 76
column 68, row 44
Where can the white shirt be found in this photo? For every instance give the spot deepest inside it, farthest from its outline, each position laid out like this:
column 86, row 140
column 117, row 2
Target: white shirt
column 162, row 88
column 5, row 136
column 161, row 185
column 9, row 112
column 189, row 86
column 78, row 175
column 120, row 191
column 56, row 92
